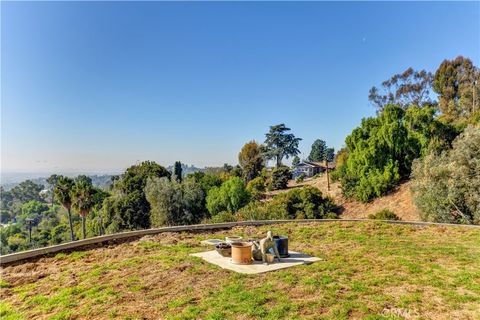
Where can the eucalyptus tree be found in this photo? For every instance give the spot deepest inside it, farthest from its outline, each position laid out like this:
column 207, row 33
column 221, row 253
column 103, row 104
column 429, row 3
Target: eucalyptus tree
column 410, row 87
column 457, row 82
column 279, row 144
column 83, row 200
column 62, row 192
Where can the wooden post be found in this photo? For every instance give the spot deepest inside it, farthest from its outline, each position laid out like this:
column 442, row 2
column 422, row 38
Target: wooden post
column 29, row 230
column 328, row 177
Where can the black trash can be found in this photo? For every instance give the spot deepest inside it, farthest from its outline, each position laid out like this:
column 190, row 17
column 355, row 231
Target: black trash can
column 282, row 245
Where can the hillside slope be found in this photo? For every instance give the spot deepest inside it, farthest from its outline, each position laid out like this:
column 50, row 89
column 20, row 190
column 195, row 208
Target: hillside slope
column 399, row 200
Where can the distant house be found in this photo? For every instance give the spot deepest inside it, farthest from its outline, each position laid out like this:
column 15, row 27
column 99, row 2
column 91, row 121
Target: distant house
column 309, row 169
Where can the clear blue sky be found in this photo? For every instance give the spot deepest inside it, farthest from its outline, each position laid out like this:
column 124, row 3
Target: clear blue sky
column 96, row 86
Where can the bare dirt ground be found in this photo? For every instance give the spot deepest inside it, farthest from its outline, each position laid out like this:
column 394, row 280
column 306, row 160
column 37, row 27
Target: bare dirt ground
column 399, row 200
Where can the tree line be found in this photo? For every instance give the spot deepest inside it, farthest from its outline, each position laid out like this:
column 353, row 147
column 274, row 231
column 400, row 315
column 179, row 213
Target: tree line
column 416, row 136
column 148, row 195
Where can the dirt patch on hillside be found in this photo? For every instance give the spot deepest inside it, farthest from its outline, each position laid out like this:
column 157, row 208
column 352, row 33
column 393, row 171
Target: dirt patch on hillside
column 399, row 200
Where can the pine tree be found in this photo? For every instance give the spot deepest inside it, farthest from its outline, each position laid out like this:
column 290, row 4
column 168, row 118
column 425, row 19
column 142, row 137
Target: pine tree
column 177, row 171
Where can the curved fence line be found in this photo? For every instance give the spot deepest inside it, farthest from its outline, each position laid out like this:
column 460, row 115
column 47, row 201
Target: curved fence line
column 15, row 257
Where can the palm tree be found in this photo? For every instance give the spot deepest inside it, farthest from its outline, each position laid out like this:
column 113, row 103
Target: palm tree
column 83, row 194
column 62, row 192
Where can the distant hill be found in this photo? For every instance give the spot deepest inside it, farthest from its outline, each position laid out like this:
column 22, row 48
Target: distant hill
column 186, row 169
column 100, row 181
column 10, row 180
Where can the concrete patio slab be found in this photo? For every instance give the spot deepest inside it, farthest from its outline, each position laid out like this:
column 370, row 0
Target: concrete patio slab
column 295, row 259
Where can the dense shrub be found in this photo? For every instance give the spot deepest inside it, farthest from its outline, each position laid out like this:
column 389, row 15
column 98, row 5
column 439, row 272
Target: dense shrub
column 223, row 216
column 128, row 208
column 335, row 175
column 300, row 203
column 280, row 177
column 256, row 187
column 206, row 182
column 330, row 215
column 230, row 196
column 384, row 214
column 173, row 202
column 382, row 149
column 300, row 178
column 446, row 186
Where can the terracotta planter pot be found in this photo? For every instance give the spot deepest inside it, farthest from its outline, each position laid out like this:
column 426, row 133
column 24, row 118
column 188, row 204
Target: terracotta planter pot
column 242, row 252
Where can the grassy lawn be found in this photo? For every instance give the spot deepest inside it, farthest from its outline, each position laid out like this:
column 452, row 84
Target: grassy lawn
column 369, row 271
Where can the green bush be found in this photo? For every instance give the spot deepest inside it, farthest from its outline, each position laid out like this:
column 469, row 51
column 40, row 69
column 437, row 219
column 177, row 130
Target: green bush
column 256, row 187
column 230, row 196
column 335, row 175
column 223, row 216
column 331, row 215
column 381, row 151
column 384, row 214
column 446, row 186
column 173, row 202
column 280, row 177
column 129, row 209
column 300, row 178
column 299, row 203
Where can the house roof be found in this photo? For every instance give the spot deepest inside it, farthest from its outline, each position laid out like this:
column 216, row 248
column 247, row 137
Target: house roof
column 312, row 164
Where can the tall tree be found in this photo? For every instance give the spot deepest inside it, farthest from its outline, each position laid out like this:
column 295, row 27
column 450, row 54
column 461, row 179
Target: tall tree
column 341, row 157
column 381, row 150
column 128, row 208
column 318, row 151
column 26, row 191
column 6, row 199
column 295, row 161
column 457, row 83
column 173, row 202
column 329, row 154
column 279, row 144
column 83, row 200
column 52, row 181
column 62, row 193
column 83, row 178
column 251, row 160
column 404, row 89
column 177, row 171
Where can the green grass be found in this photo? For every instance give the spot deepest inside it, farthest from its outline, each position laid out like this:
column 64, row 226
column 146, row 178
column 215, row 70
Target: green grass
column 8, row 313
column 369, row 271
column 4, row 284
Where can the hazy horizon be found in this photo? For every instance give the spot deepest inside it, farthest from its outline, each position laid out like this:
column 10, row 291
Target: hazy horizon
column 99, row 86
